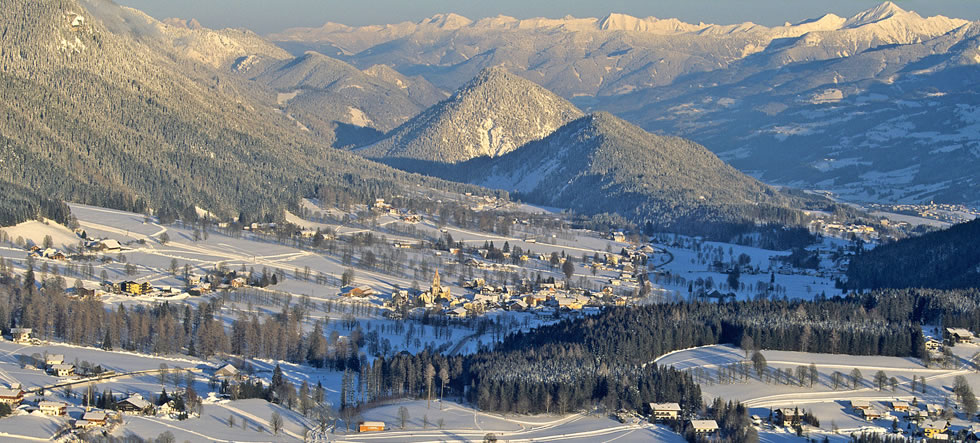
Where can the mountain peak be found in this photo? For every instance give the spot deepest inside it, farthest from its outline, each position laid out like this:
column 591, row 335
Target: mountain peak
column 447, row 21
column 493, row 114
column 177, row 22
column 884, row 11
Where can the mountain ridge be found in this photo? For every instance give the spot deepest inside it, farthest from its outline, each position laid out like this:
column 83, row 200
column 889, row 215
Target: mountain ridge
column 760, row 97
column 601, row 163
column 126, row 120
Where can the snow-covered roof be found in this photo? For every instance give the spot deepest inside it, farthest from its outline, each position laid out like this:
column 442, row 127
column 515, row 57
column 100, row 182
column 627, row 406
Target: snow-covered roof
column 111, row 244
column 665, row 407
column 860, row 404
column 94, row 416
column 704, row 425
column 10, row 393
column 227, row 369
column 961, row 332
column 137, row 401
column 52, row 404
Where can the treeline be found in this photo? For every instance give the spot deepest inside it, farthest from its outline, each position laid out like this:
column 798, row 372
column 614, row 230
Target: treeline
column 20, row 204
column 625, row 335
column 950, row 308
column 947, row 259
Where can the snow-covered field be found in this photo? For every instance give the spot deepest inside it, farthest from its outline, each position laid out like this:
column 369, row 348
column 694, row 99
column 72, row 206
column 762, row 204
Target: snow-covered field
column 463, row 423
column 832, row 407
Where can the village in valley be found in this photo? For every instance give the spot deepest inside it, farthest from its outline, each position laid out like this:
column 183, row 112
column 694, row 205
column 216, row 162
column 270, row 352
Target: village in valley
column 379, row 279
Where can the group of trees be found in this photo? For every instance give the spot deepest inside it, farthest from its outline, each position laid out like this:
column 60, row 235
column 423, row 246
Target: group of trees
column 20, row 203
column 941, row 259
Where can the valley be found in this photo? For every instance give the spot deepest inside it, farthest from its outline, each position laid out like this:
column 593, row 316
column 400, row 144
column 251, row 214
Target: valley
column 490, row 229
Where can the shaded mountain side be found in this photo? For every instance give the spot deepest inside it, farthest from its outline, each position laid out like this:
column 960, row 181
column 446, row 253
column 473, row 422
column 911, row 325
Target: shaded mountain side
column 947, row 259
column 325, row 91
column 105, row 119
column 20, row 203
column 602, row 164
column 491, row 115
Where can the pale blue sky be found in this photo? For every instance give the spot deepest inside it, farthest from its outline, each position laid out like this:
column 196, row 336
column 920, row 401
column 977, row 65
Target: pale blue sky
column 265, row 16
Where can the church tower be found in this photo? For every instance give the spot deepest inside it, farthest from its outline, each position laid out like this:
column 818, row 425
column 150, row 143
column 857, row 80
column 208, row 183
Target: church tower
column 436, row 286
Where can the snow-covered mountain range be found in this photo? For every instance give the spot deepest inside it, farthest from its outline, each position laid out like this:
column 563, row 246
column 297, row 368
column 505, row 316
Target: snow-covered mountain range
column 877, row 106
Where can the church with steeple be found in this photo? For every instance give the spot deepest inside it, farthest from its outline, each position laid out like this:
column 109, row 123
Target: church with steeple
column 436, row 293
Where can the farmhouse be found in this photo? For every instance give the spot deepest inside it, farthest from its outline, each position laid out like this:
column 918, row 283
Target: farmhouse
column 787, row 416
column 133, row 403
column 665, row 411
column 56, row 408
column 858, row 405
column 20, row 335
column 227, row 371
column 703, row 427
column 62, row 370
column 959, row 335
column 93, row 419
column 109, row 245
column 456, row 313
column 54, row 359
column 900, row 406
column 932, row 428
column 870, row 413
column 11, row 396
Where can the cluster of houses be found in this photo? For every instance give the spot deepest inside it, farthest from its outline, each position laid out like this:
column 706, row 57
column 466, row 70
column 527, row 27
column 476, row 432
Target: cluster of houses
column 48, row 253
column 926, row 417
column 545, row 298
column 660, row 412
column 196, row 285
column 381, row 207
column 845, row 231
column 132, row 403
column 55, row 365
column 96, row 245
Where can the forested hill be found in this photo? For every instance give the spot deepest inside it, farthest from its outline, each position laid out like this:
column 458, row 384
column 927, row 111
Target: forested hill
column 101, row 108
column 944, row 259
column 601, row 163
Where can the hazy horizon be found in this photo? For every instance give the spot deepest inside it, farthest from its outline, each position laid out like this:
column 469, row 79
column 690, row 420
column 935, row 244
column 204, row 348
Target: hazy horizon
column 266, row 17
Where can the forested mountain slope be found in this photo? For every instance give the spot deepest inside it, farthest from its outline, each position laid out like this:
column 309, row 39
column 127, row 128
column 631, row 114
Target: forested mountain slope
column 944, row 259
column 340, row 103
column 602, row 164
column 106, row 114
column 492, row 115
